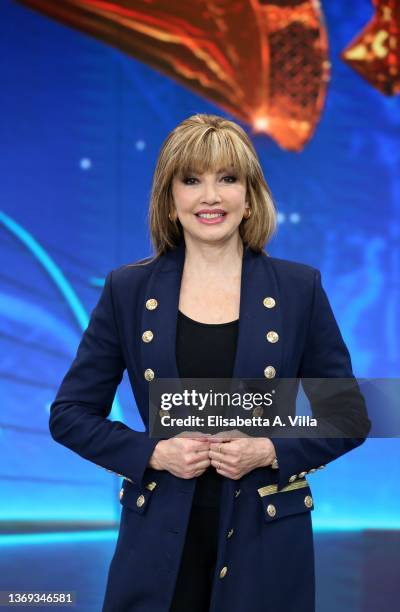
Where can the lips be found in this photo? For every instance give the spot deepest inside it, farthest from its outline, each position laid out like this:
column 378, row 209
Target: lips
column 210, row 217
column 210, row 214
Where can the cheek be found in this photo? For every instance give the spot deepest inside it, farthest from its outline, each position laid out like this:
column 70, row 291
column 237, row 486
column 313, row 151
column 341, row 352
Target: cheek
column 181, row 199
column 239, row 197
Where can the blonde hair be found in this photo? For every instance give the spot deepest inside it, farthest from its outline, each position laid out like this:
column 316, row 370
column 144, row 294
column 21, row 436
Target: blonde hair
column 204, row 143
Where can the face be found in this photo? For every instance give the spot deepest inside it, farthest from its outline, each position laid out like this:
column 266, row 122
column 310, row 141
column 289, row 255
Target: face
column 210, row 206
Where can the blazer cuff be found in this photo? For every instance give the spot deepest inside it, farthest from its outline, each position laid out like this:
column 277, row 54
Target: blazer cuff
column 298, row 457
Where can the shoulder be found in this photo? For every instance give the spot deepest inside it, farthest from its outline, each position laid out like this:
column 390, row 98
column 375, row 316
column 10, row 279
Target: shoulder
column 133, row 273
column 292, row 271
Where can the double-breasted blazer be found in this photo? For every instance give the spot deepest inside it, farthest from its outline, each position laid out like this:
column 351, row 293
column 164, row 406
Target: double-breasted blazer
column 265, row 548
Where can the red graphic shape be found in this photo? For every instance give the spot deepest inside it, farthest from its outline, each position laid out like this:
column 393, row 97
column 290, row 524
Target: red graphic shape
column 264, row 62
column 375, row 53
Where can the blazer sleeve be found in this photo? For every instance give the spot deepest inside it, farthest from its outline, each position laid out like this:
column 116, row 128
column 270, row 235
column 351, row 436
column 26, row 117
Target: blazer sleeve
column 78, row 415
column 325, row 356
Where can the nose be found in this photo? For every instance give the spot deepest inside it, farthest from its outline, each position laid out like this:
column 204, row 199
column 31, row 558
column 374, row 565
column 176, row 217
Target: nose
column 210, row 194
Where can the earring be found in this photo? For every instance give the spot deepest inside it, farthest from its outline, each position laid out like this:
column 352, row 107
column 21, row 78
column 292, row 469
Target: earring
column 248, row 215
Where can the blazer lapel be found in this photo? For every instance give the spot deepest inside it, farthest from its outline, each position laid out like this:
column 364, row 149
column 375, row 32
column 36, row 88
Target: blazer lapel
column 259, row 346
column 258, row 353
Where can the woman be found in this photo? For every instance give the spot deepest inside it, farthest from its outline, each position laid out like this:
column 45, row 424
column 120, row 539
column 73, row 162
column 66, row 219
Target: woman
column 206, row 524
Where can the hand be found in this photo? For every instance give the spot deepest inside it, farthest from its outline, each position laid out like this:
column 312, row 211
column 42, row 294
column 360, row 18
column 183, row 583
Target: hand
column 182, row 456
column 236, row 457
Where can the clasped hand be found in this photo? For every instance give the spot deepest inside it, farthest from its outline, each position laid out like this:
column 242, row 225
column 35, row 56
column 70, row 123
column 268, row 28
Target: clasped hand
column 231, row 456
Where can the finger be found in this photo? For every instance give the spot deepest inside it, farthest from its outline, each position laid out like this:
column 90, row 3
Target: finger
column 219, row 465
column 223, row 471
column 198, row 435
column 220, row 438
column 219, row 450
column 202, row 465
column 222, row 457
column 217, row 444
column 192, row 445
column 198, row 473
column 199, row 456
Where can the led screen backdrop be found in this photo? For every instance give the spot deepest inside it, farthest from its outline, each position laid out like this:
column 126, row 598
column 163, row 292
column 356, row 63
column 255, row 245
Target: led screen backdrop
column 81, row 124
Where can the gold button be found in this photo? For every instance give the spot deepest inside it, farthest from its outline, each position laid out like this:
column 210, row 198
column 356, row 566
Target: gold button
column 308, row 501
column 151, row 485
column 271, row 510
column 223, row 572
column 269, row 372
column 321, row 467
column 258, row 411
column 269, row 302
column 272, row 336
column 121, row 493
column 293, row 478
column 237, row 492
column 140, row 501
column 312, row 471
column 149, row 374
column 275, row 465
column 302, row 474
column 147, row 336
column 230, row 533
column 151, row 304
column 163, row 413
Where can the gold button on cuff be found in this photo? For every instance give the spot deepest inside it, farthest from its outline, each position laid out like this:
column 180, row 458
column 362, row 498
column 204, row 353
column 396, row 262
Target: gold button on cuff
column 302, row 474
column 271, row 510
column 272, row 336
column 258, row 411
column 149, row 374
column 230, row 533
column 163, row 413
column 140, row 501
column 275, row 464
column 312, row 470
column 269, row 302
column 293, row 478
column 147, row 336
column 223, row 572
column 151, row 485
column 121, row 493
column 308, row 501
column 269, row 372
column 151, row 304
column 237, row 492
column 321, row 467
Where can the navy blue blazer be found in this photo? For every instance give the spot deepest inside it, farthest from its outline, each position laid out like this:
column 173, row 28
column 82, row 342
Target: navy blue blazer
column 268, row 562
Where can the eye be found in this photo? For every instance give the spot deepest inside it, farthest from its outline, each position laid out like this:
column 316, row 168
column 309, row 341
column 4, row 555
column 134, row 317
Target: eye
column 189, row 180
column 230, row 179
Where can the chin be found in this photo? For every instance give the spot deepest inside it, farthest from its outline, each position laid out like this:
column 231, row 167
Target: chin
column 214, row 237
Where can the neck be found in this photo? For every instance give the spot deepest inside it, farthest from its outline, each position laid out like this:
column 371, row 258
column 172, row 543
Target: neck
column 214, row 260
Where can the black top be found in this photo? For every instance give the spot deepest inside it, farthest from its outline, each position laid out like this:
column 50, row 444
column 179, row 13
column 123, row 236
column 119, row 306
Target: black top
column 206, row 350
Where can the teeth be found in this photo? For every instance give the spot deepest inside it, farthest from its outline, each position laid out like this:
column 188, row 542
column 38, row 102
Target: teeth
column 210, row 215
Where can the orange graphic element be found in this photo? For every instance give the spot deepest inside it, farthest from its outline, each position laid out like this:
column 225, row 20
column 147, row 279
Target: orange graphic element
column 375, row 53
column 264, row 62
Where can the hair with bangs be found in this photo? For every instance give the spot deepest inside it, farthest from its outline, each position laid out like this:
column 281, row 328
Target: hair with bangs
column 204, row 143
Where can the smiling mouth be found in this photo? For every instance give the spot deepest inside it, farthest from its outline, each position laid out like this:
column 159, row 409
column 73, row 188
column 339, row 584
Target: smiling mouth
column 210, row 215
